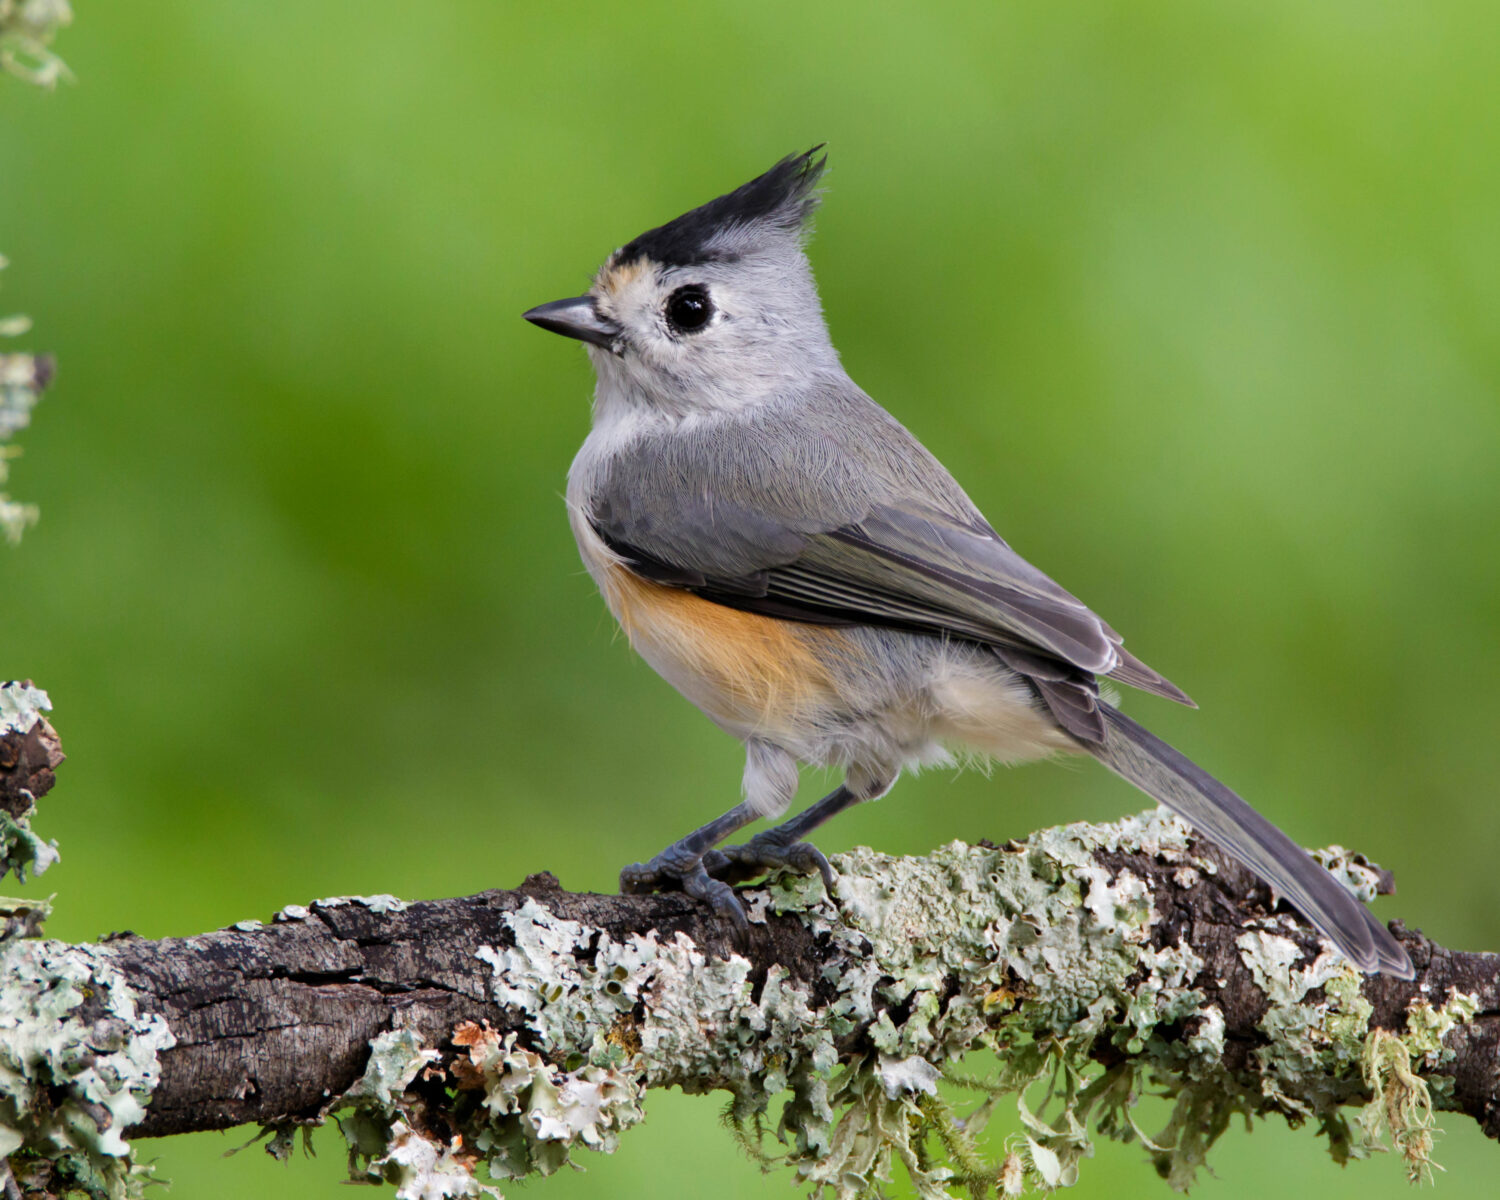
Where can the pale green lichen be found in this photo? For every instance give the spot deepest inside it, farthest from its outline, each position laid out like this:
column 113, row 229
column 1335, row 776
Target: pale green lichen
column 21, row 706
column 1426, row 1026
column 395, row 1058
column 1353, row 870
column 21, row 850
column 78, row 1062
column 383, row 1144
column 1027, row 951
column 538, row 1114
column 27, row 28
column 1401, row 1104
column 422, row 1168
column 510, row 1110
column 1322, row 1053
column 383, row 903
column 22, row 917
column 1034, row 954
column 1316, row 1030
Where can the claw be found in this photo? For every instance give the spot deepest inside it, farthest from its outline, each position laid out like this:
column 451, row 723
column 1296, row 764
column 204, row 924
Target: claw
column 722, row 899
column 768, row 852
column 639, row 879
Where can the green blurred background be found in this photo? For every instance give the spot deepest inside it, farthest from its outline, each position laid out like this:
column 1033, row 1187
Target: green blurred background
column 1199, row 300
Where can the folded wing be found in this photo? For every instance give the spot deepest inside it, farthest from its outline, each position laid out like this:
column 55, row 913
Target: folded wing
column 910, row 567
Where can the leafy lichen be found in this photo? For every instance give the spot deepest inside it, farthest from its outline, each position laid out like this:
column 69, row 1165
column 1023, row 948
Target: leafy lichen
column 1401, row 1102
column 78, row 1062
column 382, row 904
column 21, row 706
column 1035, row 953
column 507, row 1107
column 1353, row 870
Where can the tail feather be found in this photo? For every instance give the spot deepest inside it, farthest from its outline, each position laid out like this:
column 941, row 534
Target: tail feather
column 1176, row 781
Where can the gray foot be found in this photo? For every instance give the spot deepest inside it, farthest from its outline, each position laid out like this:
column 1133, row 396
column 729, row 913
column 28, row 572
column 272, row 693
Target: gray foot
column 669, row 873
column 772, row 850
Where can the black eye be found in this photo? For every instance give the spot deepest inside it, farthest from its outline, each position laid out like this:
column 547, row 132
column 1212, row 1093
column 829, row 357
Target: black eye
column 689, row 308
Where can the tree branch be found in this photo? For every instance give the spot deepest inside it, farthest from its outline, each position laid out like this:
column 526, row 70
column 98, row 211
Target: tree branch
column 514, row 1028
column 269, row 1021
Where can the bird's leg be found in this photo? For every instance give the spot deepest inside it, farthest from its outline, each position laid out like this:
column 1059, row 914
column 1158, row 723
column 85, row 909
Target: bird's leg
column 680, row 865
column 783, row 847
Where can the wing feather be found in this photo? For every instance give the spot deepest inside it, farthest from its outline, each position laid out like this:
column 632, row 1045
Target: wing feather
column 809, row 522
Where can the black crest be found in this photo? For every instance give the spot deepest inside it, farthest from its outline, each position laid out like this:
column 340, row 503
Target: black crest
column 783, row 196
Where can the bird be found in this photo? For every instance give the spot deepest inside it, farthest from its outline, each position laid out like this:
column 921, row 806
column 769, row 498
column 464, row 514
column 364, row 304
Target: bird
column 789, row 557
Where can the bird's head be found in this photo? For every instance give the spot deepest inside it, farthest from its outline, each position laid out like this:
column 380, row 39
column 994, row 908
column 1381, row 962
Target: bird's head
column 712, row 310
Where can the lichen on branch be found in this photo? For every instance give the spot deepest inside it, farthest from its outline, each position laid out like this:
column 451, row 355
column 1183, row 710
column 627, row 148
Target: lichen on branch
column 78, row 1060
column 1046, row 956
column 464, row 1044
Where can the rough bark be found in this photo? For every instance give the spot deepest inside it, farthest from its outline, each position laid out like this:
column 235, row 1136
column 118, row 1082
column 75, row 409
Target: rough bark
column 1108, row 958
column 271, row 1022
column 28, row 764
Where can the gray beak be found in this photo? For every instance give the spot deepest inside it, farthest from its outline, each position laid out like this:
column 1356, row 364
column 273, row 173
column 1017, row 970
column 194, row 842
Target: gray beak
column 576, row 318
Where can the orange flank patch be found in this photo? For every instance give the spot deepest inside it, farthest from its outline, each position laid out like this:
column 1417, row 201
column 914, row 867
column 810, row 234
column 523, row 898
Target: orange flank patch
column 751, row 668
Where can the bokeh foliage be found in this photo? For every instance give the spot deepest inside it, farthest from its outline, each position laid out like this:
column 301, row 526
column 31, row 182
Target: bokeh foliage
column 1199, row 300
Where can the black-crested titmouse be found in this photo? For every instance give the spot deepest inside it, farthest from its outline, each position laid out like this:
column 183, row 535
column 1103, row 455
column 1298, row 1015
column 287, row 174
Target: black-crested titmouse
column 801, row 568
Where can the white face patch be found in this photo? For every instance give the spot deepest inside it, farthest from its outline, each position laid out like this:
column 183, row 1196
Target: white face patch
column 647, row 300
column 763, row 332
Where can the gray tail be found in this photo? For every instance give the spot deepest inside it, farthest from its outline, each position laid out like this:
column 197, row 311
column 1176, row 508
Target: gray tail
column 1211, row 808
